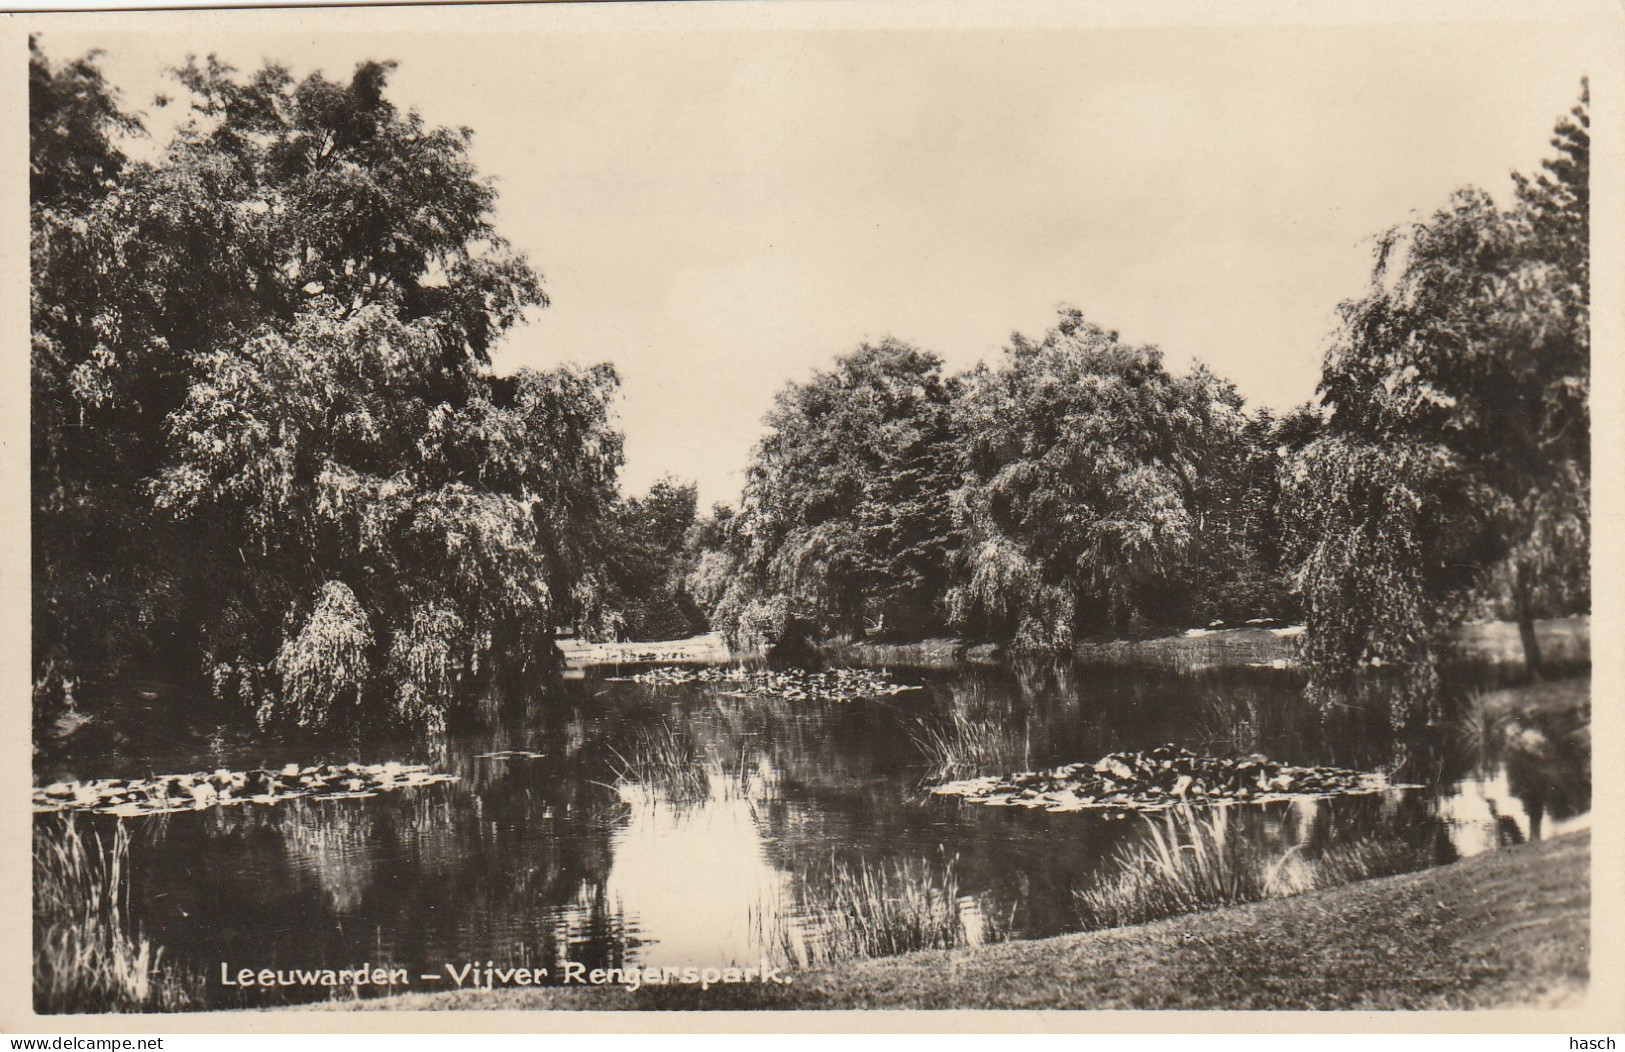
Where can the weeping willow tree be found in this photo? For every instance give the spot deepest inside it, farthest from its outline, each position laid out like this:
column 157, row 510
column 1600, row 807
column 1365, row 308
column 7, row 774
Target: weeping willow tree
column 845, row 525
column 1089, row 474
column 1453, row 472
column 268, row 446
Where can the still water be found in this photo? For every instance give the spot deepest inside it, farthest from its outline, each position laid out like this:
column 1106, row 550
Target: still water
column 613, row 823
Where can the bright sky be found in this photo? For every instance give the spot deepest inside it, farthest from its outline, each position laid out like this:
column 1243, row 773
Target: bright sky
column 722, row 212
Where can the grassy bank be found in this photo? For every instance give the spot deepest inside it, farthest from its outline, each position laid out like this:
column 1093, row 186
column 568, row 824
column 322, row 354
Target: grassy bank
column 1199, row 649
column 706, row 649
column 1195, row 649
column 1571, row 696
column 1565, row 642
column 1506, row 929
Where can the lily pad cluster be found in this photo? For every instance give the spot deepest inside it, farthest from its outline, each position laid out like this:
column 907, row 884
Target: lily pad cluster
column 836, row 684
column 1162, row 778
column 191, row 792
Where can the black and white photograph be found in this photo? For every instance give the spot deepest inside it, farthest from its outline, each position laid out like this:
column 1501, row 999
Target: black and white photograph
column 789, row 507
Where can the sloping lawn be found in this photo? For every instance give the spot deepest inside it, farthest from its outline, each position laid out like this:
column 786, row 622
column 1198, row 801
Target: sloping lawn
column 1510, row 928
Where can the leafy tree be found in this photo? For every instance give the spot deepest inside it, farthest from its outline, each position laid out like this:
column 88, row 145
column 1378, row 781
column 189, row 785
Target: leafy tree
column 268, row 443
column 845, row 524
column 639, row 587
column 1241, row 570
column 1394, row 542
column 74, row 123
column 1088, row 473
column 1455, row 462
column 712, row 558
column 1544, row 473
column 88, row 570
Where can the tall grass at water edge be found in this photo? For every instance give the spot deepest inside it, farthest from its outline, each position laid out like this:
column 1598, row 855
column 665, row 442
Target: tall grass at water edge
column 88, row 955
column 663, row 765
column 964, row 746
column 662, row 761
column 880, row 910
column 1190, row 862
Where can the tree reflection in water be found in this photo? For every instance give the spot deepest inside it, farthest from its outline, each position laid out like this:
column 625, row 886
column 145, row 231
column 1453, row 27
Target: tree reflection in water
column 676, row 825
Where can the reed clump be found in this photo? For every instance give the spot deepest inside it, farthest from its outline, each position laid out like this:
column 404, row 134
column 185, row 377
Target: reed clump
column 1190, row 862
column 880, row 910
column 88, row 955
column 664, row 762
column 964, row 745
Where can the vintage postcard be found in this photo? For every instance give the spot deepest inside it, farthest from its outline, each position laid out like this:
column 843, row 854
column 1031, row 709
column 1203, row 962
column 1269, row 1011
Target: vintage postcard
column 696, row 509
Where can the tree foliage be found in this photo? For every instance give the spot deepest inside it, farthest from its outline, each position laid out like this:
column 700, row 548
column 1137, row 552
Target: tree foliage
column 268, row 445
column 1242, row 569
column 638, row 587
column 75, row 122
column 1454, row 468
column 1078, row 487
column 845, row 523
column 1089, row 471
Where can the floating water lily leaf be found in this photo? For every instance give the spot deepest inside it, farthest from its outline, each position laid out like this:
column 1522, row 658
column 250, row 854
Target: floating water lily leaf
column 167, row 794
column 1160, row 778
column 836, row 684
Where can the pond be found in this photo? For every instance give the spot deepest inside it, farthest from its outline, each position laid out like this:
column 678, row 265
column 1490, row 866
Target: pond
column 615, row 823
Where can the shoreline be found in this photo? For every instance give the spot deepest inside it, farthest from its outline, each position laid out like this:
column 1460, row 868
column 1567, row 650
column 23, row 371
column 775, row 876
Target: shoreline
column 1564, row 642
column 1510, row 928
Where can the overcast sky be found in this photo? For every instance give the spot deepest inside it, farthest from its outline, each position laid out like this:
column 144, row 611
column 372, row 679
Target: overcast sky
column 719, row 213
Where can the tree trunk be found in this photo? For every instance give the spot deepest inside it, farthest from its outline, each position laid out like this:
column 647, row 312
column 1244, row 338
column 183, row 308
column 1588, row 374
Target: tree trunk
column 1526, row 625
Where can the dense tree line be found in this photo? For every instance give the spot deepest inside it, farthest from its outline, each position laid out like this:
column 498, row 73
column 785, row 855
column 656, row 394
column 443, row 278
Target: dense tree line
column 1078, row 488
column 1101, row 493
column 269, row 453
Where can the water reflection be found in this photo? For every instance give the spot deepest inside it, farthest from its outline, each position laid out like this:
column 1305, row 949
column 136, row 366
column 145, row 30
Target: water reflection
column 697, row 876
column 626, row 824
